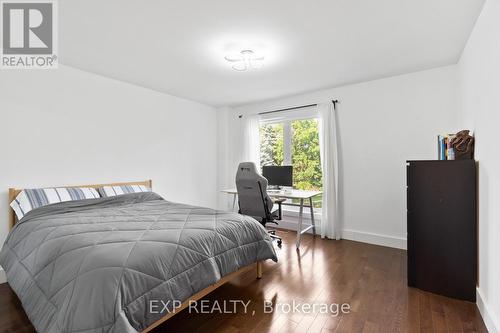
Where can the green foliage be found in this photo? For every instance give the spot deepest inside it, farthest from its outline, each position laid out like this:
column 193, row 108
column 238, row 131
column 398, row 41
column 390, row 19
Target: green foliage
column 271, row 144
column 305, row 155
column 304, row 148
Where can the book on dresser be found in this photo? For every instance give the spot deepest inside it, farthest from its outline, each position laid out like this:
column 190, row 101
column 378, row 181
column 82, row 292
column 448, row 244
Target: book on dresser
column 442, row 227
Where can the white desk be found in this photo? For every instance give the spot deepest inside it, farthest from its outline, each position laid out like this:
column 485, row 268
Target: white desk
column 290, row 194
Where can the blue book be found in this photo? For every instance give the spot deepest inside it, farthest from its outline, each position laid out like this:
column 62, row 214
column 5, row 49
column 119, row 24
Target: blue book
column 441, row 149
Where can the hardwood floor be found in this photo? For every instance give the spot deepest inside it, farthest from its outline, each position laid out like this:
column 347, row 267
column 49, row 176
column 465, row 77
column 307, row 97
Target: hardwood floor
column 371, row 279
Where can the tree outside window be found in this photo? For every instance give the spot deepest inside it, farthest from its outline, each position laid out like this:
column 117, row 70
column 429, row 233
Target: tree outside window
column 271, row 144
column 295, row 143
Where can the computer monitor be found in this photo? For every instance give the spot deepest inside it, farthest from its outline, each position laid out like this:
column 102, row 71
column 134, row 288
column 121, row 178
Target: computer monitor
column 278, row 175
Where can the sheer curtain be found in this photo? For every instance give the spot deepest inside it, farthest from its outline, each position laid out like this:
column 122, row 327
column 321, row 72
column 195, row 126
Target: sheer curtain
column 250, row 150
column 328, row 144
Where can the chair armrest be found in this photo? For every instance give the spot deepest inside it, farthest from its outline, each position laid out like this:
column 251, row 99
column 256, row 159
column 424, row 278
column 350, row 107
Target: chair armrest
column 279, row 201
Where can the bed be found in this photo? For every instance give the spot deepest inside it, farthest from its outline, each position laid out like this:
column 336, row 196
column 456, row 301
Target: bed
column 97, row 265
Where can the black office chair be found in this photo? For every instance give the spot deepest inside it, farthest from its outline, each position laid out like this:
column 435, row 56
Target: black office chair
column 253, row 199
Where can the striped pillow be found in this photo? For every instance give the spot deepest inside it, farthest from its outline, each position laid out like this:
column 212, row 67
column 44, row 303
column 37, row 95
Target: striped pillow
column 111, row 191
column 30, row 199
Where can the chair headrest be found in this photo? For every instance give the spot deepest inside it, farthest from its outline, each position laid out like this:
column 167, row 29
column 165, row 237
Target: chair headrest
column 248, row 171
column 247, row 167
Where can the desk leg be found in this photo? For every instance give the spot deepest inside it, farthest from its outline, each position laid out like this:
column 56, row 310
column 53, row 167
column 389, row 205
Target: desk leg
column 299, row 225
column 234, row 201
column 312, row 215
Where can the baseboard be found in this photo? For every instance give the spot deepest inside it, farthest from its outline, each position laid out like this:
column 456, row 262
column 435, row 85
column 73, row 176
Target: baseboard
column 491, row 322
column 354, row 235
column 373, row 238
column 3, row 278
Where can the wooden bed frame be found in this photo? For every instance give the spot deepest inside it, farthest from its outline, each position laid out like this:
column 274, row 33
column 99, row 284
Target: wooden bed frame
column 206, row 291
column 13, row 192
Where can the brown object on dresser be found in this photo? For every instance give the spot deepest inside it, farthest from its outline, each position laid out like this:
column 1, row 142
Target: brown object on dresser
column 463, row 145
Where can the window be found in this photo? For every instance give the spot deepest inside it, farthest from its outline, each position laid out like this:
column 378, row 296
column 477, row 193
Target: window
column 293, row 142
column 271, row 144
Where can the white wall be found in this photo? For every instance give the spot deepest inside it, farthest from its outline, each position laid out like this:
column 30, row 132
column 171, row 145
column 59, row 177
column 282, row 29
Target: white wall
column 382, row 124
column 224, row 148
column 68, row 126
column 479, row 73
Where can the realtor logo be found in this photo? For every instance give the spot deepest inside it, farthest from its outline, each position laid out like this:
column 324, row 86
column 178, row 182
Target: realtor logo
column 28, row 34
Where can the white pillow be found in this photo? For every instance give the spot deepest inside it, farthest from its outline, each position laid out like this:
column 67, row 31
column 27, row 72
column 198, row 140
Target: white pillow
column 30, row 199
column 111, row 191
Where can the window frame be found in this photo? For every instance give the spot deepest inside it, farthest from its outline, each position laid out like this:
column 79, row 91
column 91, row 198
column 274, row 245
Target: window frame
column 286, row 118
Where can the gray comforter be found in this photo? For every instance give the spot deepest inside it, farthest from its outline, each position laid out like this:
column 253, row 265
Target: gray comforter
column 94, row 265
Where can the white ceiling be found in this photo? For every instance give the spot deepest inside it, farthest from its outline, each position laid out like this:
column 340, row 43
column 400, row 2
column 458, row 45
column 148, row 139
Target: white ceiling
column 178, row 46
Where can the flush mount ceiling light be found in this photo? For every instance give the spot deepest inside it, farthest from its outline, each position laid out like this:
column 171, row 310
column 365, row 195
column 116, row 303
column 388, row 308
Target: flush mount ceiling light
column 245, row 60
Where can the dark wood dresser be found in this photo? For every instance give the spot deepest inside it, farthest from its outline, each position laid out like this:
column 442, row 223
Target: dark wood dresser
column 442, row 227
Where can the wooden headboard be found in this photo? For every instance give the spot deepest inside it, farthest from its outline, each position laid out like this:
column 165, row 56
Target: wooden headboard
column 13, row 192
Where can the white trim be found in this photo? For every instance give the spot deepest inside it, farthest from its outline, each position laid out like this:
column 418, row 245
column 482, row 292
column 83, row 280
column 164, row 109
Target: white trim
column 491, row 322
column 3, row 278
column 349, row 234
column 373, row 238
column 287, row 142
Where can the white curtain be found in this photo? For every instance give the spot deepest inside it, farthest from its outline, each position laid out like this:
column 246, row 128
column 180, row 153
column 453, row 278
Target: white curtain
column 328, row 144
column 250, row 150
